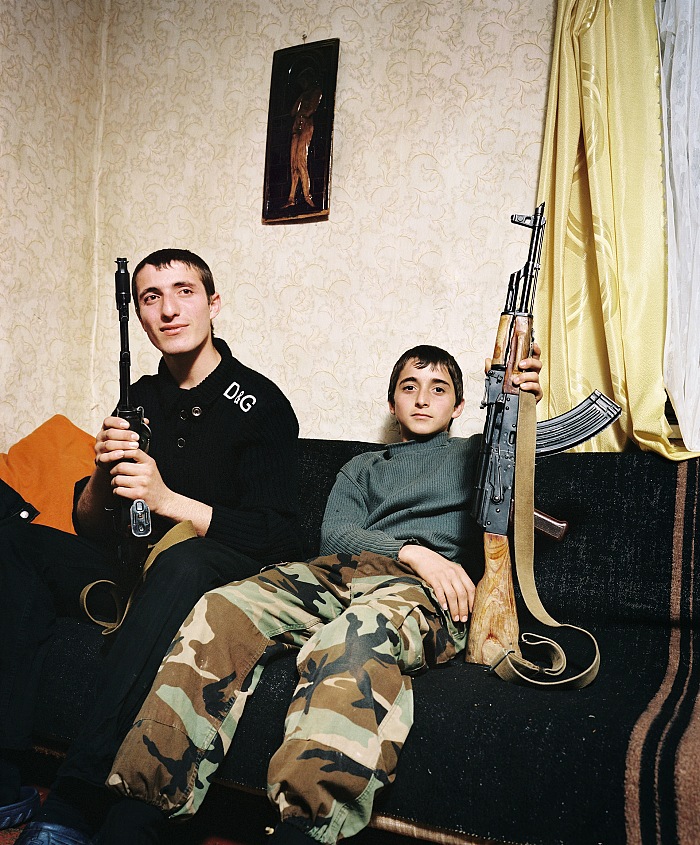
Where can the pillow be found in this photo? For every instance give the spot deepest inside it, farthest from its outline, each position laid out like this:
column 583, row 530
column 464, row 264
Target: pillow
column 44, row 466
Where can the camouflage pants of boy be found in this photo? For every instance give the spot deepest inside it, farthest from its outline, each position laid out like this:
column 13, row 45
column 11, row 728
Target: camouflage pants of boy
column 362, row 625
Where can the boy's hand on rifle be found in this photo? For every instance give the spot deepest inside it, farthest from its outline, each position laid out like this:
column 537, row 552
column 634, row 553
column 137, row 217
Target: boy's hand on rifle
column 138, row 477
column 453, row 588
column 133, row 473
column 114, row 442
column 530, row 379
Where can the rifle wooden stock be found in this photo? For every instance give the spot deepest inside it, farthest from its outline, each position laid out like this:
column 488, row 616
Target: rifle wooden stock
column 494, row 620
column 494, row 629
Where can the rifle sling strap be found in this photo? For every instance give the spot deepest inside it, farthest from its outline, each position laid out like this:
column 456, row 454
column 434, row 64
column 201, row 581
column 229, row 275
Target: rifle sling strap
column 510, row 667
column 177, row 534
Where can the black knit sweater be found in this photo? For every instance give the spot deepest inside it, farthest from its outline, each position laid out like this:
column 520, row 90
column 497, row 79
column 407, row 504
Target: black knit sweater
column 230, row 442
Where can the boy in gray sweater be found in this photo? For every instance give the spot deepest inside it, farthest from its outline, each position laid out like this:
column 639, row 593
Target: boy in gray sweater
column 389, row 597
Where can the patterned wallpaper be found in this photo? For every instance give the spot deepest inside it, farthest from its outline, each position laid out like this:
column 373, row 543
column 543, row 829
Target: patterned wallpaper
column 133, row 125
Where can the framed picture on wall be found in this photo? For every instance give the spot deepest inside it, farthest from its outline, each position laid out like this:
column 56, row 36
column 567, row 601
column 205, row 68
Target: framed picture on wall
column 300, row 132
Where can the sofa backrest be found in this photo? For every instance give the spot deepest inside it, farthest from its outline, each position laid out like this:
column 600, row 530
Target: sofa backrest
column 632, row 525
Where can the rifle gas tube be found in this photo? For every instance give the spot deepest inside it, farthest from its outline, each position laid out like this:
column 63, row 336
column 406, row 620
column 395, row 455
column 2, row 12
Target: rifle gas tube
column 138, row 521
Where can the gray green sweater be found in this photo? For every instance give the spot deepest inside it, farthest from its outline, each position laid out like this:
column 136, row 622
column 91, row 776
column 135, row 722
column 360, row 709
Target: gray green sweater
column 420, row 489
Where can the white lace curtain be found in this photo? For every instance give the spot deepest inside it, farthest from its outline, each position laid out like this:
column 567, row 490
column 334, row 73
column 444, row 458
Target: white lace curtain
column 678, row 23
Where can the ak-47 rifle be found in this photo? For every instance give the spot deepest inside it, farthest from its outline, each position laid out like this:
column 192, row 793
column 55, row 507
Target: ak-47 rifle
column 133, row 519
column 494, row 630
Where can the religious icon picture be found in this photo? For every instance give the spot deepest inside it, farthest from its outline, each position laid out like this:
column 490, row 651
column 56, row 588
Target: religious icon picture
column 300, row 132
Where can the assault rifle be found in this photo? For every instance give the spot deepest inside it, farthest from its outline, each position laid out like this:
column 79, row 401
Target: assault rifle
column 514, row 339
column 494, row 626
column 134, row 519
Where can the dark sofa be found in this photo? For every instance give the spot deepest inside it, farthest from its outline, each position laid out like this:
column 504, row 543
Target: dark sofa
column 488, row 761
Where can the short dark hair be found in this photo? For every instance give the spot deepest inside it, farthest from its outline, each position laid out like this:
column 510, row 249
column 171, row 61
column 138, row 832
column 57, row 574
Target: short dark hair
column 164, row 258
column 428, row 356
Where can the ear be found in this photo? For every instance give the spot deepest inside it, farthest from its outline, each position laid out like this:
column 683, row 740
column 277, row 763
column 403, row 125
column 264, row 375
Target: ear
column 214, row 305
column 392, row 409
column 458, row 410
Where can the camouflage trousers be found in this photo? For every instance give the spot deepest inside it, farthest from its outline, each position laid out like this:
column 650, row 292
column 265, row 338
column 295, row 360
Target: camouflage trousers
column 361, row 624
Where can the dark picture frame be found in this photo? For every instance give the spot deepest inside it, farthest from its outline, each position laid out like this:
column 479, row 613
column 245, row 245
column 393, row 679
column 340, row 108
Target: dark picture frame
column 299, row 144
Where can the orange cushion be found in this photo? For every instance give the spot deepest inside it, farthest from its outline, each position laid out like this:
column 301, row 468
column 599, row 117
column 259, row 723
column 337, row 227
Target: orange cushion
column 44, row 466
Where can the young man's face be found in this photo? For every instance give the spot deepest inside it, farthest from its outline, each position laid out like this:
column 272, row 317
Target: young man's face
column 174, row 309
column 424, row 401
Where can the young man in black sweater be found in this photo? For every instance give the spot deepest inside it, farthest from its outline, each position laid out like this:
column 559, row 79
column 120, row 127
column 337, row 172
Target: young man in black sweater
column 223, row 456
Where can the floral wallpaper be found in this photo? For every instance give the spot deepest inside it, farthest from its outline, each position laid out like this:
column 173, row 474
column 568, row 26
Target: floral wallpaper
column 134, row 125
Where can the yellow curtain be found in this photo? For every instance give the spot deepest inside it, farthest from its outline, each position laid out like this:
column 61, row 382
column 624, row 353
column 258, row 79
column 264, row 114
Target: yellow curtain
column 601, row 299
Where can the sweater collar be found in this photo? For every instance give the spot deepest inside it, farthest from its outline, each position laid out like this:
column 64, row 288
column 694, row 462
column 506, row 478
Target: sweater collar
column 209, row 388
column 411, row 447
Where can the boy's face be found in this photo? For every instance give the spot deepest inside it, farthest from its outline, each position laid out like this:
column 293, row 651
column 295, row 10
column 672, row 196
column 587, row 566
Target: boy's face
column 174, row 309
column 424, row 401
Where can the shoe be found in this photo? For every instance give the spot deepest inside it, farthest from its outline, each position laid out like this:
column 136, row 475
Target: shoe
column 133, row 822
column 21, row 811
column 46, row 833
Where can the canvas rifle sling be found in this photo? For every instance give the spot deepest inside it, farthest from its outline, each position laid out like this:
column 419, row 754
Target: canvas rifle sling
column 513, row 668
column 180, row 532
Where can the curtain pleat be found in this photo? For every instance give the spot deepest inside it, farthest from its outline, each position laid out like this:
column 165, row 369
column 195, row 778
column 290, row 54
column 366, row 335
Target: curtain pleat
column 601, row 302
column 678, row 23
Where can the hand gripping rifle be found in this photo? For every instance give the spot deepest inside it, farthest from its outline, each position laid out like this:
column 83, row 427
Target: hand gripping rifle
column 133, row 519
column 510, row 417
